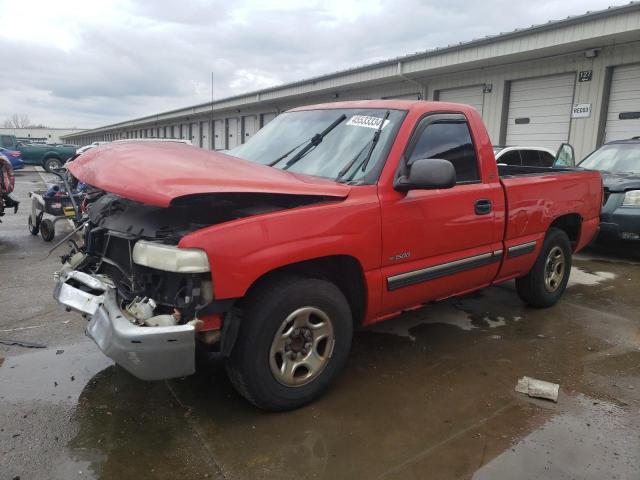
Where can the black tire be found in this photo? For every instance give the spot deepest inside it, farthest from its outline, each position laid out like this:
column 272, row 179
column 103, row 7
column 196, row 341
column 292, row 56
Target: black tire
column 52, row 163
column 47, row 230
column 262, row 315
column 34, row 229
column 533, row 288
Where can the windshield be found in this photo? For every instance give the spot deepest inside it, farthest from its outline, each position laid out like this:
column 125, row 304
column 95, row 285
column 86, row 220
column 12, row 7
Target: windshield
column 348, row 140
column 615, row 158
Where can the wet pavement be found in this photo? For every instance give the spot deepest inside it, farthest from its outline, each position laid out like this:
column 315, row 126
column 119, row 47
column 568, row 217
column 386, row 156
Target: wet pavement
column 429, row 394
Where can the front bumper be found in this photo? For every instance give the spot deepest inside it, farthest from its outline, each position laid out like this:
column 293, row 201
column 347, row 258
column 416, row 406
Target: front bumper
column 618, row 223
column 149, row 353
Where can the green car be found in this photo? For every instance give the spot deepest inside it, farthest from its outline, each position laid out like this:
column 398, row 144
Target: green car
column 49, row 156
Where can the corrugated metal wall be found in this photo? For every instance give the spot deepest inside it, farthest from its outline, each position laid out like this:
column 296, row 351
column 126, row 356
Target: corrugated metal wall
column 583, row 132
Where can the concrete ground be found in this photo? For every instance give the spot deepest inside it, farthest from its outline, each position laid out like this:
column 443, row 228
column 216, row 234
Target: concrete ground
column 427, row 395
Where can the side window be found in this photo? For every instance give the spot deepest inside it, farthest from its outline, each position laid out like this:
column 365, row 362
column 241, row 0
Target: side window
column 7, row 141
column 530, row 158
column 547, row 159
column 449, row 141
column 510, row 158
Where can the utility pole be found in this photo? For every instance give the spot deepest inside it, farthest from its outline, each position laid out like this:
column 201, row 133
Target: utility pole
column 211, row 130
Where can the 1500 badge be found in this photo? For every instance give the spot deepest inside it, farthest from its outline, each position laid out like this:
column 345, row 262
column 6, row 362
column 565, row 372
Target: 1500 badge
column 400, row 256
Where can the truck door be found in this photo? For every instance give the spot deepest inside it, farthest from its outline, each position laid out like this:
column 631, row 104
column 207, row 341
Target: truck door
column 437, row 243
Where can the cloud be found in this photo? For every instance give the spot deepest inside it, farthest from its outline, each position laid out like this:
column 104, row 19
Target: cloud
column 93, row 63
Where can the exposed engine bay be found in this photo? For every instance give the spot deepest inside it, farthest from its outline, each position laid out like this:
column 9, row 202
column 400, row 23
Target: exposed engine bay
column 133, row 247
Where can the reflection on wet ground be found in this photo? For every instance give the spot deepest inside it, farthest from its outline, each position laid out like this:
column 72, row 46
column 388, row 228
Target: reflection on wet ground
column 427, row 395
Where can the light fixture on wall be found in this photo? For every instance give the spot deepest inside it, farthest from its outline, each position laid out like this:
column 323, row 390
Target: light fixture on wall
column 488, row 87
column 592, row 53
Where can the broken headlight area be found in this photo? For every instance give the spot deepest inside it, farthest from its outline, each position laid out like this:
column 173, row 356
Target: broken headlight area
column 134, row 246
column 160, row 282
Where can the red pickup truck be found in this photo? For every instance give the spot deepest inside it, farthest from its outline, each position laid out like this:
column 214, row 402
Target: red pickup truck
column 331, row 217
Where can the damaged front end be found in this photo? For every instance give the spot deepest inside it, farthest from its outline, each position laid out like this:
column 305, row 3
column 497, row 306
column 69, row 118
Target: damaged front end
column 149, row 302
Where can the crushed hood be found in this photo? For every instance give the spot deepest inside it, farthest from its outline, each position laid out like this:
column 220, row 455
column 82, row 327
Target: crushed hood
column 156, row 173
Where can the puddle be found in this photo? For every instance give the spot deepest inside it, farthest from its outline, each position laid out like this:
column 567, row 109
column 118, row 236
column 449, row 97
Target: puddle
column 439, row 313
column 442, row 313
column 580, row 277
column 47, row 376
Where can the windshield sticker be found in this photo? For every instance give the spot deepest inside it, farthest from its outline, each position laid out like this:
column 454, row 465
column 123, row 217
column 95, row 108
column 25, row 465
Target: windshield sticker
column 366, row 121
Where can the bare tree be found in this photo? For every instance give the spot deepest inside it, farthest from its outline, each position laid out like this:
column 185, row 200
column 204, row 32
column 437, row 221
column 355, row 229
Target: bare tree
column 18, row 120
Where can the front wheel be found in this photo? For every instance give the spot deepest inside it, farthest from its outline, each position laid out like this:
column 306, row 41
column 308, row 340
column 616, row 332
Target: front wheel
column 295, row 335
column 34, row 229
column 52, row 163
column 547, row 279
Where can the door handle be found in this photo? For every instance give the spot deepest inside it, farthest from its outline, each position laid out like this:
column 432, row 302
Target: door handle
column 483, row 206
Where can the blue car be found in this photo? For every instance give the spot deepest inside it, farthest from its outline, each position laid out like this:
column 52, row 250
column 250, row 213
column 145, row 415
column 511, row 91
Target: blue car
column 14, row 157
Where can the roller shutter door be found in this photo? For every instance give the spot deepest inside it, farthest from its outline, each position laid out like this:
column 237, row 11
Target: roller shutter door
column 194, row 134
column 218, row 134
column 204, row 138
column 233, row 133
column 540, row 111
column 473, row 96
column 623, row 115
column 267, row 117
column 249, row 127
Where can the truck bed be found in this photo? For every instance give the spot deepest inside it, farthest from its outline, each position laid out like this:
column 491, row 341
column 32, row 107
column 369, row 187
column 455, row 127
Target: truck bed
column 535, row 198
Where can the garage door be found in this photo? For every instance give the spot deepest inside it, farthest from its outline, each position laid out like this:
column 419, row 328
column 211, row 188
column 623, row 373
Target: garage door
column 473, row 96
column 204, row 138
column 249, row 127
column 623, row 116
column 194, row 134
column 218, row 134
column 540, row 111
column 233, row 132
column 267, row 117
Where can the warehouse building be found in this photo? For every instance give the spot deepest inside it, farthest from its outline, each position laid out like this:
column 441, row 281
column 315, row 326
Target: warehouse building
column 41, row 134
column 575, row 80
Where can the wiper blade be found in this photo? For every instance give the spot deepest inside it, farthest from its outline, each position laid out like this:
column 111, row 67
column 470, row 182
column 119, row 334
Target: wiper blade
column 272, row 163
column 311, row 143
column 372, row 144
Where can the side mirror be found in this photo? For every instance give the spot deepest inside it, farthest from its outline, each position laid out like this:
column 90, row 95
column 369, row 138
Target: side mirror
column 565, row 156
column 427, row 174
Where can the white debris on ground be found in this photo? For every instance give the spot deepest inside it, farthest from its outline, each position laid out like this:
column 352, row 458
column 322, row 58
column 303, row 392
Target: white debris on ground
column 538, row 388
column 580, row 277
column 498, row 322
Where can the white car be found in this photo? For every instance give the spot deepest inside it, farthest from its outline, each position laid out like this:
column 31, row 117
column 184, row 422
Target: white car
column 524, row 156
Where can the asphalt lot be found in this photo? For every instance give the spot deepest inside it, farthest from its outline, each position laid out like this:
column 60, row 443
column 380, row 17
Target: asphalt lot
column 427, row 395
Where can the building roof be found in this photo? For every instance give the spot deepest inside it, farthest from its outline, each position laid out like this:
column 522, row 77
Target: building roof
column 272, row 93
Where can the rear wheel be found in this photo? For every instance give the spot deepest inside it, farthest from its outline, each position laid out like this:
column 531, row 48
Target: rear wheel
column 47, row 230
column 547, row 280
column 294, row 338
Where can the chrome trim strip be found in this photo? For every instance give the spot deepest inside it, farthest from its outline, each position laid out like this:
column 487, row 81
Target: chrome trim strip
column 431, row 273
column 521, row 249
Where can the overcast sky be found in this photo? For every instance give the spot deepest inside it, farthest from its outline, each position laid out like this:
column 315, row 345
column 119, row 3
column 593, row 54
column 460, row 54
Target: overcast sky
column 87, row 63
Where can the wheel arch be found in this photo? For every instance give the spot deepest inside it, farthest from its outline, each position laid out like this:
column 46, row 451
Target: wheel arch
column 571, row 224
column 345, row 271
